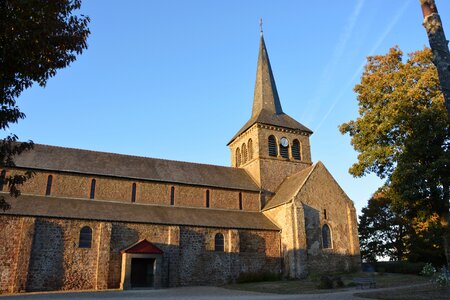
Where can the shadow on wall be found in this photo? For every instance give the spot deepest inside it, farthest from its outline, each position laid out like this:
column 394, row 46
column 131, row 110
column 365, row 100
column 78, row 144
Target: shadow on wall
column 46, row 269
column 192, row 261
column 320, row 259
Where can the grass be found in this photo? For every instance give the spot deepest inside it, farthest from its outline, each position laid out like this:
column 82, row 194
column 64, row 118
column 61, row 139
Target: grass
column 309, row 285
column 415, row 293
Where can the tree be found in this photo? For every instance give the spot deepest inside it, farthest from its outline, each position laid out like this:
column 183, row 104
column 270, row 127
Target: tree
column 37, row 37
column 402, row 133
column 389, row 230
column 383, row 231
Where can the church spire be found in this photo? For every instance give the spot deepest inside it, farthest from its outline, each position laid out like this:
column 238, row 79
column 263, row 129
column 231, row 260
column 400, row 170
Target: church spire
column 266, row 103
column 266, row 95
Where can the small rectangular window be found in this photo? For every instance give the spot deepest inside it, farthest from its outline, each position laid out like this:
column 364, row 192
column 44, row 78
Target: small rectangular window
column 207, row 198
column 92, row 195
column 172, row 196
column 325, row 214
column 133, row 193
column 240, row 200
column 48, row 190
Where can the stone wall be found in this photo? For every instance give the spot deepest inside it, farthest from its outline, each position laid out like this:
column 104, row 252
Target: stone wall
column 147, row 192
column 14, row 235
column 245, row 251
column 164, row 237
column 39, row 254
column 324, row 202
column 267, row 171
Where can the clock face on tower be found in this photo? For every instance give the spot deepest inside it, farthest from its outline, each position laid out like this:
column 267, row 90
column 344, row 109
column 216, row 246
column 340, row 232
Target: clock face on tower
column 284, row 142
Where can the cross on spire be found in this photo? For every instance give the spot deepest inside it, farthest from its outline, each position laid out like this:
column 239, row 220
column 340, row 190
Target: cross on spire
column 260, row 26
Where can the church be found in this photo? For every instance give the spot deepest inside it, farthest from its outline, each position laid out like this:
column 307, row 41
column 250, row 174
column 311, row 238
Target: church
column 94, row 220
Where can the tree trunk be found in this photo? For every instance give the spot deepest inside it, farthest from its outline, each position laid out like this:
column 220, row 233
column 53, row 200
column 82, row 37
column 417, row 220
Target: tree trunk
column 445, row 223
column 439, row 46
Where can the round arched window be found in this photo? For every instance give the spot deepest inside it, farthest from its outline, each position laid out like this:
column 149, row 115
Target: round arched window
column 219, row 243
column 85, row 237
column 326, row 236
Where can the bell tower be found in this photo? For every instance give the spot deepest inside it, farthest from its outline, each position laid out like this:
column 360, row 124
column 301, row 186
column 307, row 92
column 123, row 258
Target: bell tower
column 271, row 145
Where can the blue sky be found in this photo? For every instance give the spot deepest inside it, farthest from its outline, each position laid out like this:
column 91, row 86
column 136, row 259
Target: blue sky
column 174, row 79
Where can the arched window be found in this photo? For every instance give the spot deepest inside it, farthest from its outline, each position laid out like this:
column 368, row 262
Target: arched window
column 238, row 157
column 133, row 192
column 85, row 237
column 244, row 153
column 92, row 195
column 48, row 190
column 296, row 150
column 172, row 196
column 250, row 149
column 240, row 200
column 272, row 146
column 219, row 243
column 207, row 198
column 326, row 237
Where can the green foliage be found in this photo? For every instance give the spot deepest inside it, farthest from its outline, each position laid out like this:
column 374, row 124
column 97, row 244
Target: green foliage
column 326, row 282
column 257, row 277
column 403, row 135
column 442, row 277
column 428, row 270
column 329, row 282
column 37, row 37
column 388, row 230
column 383, row 231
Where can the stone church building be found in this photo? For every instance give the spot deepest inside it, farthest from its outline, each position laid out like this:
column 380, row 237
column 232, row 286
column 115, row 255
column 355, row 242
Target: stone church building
column 95, row 220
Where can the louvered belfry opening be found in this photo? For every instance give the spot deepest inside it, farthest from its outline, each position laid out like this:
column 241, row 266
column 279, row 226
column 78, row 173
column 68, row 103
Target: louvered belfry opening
column 296, row 150
column 284, row 151
column 272, row 146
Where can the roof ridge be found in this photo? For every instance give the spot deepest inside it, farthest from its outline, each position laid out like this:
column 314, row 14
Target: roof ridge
column 137, row 156
column 297, row 190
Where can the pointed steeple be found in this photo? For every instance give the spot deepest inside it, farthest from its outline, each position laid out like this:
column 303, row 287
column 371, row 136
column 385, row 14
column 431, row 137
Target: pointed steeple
column 265, row 95
column 266, row 103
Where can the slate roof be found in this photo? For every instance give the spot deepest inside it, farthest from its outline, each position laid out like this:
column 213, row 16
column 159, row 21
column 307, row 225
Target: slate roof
column 266, row 102
column 290, row 187
column 52, row 158
column 69, row 208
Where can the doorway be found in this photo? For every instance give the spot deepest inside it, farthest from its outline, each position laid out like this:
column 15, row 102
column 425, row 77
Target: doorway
column 142, row 272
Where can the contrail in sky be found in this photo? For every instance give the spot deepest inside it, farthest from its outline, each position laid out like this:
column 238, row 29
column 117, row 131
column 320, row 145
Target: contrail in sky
column 351, row 82
column 335, row 58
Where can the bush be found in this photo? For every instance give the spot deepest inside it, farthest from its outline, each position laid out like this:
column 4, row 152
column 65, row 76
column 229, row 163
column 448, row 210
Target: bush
column 257, row 277
column 329, row 282
column 403, row 267
column 325, row 282
column 428, row 270
column 339, row 282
